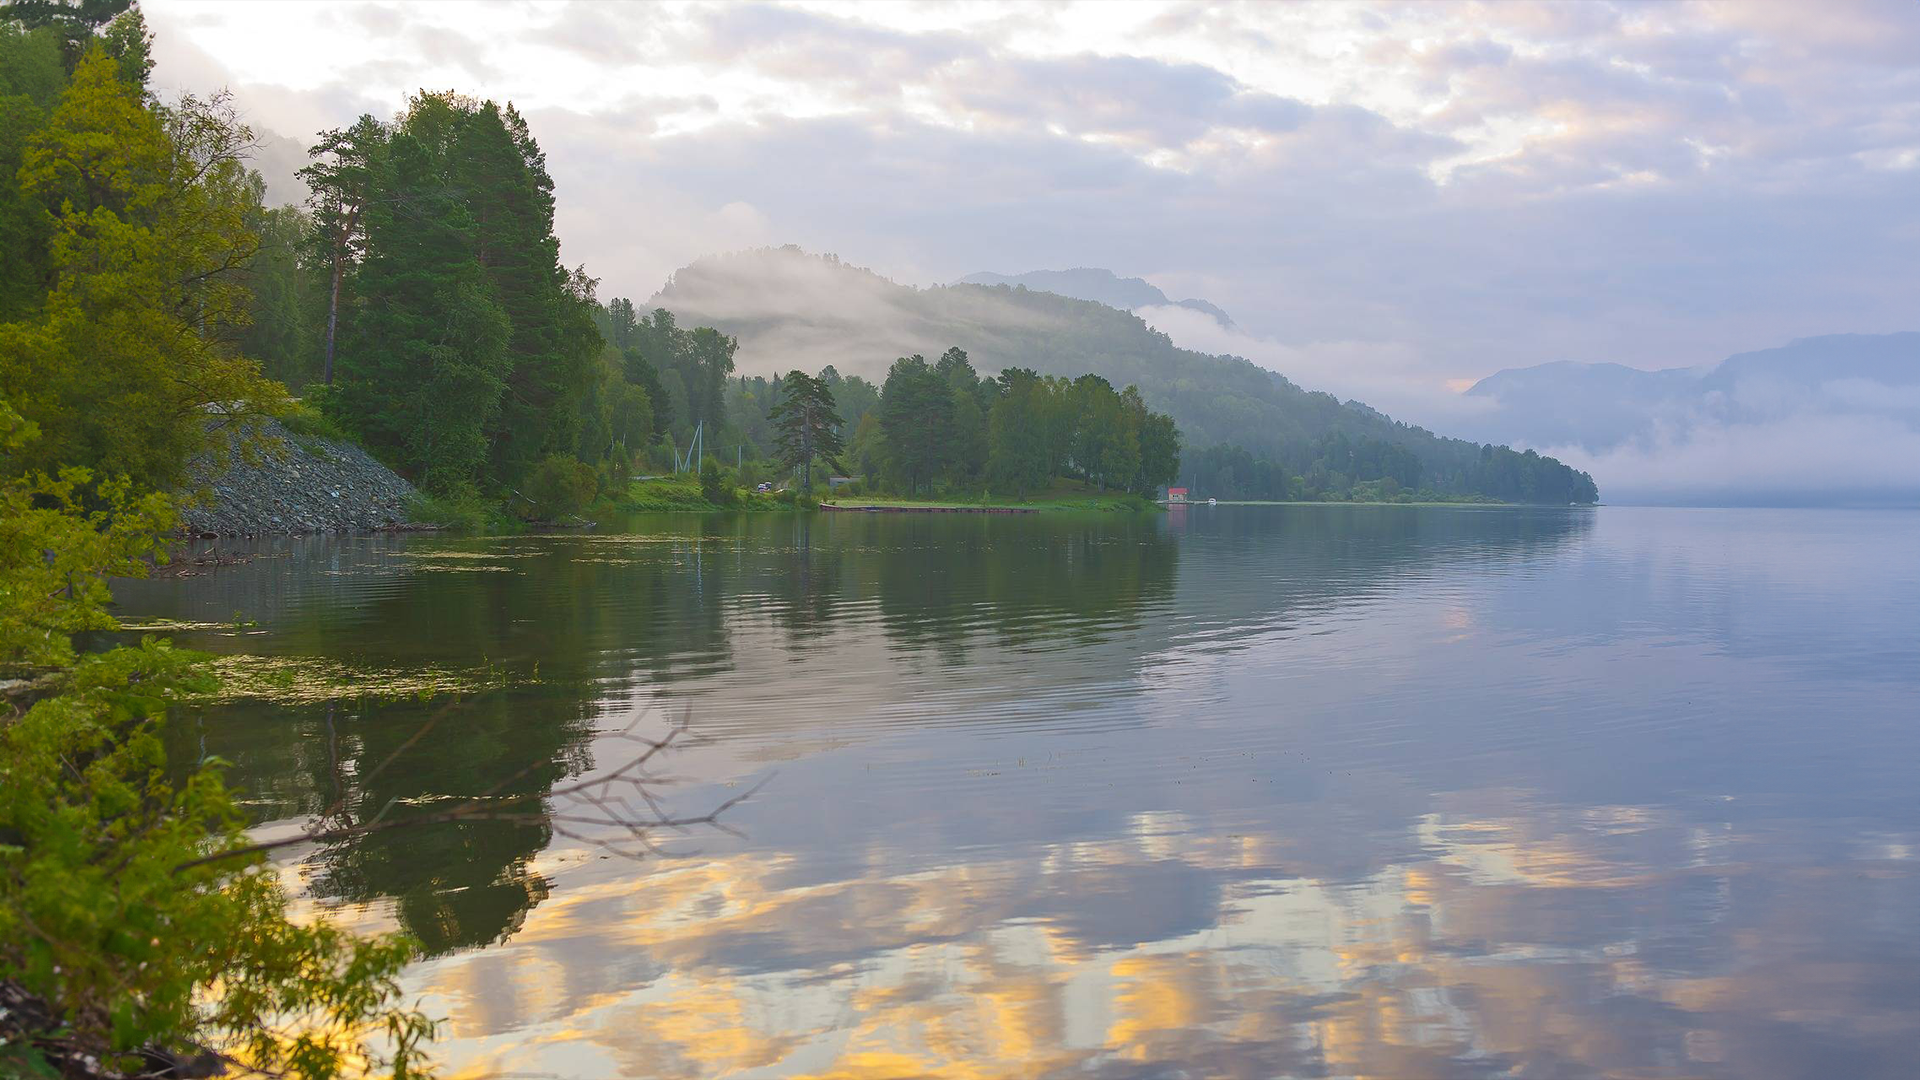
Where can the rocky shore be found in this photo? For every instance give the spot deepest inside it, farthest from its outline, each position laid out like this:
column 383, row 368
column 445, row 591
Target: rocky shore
column 295, row 484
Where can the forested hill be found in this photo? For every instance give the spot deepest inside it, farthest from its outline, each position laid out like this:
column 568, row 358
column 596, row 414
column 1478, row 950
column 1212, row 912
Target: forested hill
column 1100, row 286
column 792, row 309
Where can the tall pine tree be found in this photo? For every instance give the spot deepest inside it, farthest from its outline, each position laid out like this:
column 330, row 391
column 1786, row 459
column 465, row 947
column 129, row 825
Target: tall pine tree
column 916, row 418
column 426, row 361
column 806, row 425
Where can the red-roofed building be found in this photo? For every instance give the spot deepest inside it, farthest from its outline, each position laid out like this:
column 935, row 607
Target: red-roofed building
column 1176, row 495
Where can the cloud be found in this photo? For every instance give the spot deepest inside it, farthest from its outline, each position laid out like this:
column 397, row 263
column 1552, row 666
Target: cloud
column 1815, row 457
column 1399, row 196
column 1386, row 375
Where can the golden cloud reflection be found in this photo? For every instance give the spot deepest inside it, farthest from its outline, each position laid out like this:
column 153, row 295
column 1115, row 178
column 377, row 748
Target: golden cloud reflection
column 1521, row 944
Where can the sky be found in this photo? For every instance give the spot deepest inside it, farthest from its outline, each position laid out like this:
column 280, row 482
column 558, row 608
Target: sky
column 1392, row 201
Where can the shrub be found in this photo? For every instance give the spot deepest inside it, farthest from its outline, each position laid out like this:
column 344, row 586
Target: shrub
column 560, row 486
column 131, row 904
column 717, row 483
column 752, row 475
column 463, row 509
column 615, row 475
column 306, row 422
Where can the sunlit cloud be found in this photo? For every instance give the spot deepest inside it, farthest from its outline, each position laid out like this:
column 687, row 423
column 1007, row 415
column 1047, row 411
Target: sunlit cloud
column 1441, row 190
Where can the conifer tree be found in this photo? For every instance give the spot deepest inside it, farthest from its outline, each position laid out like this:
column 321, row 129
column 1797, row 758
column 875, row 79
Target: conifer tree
column 1018, row 456
column 916, row 417
column 341, row 181
column 806, row 425
column 423, row 377
column 552, row 341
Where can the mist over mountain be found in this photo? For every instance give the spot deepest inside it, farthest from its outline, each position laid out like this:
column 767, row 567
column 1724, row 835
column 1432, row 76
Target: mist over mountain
column 790, row 309
column 1099, row 286
column 1821, row 420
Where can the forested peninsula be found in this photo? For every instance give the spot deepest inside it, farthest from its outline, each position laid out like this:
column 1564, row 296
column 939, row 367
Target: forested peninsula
column 416, row 304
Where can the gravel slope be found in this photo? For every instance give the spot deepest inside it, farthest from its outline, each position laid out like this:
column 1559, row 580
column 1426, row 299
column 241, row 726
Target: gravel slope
column 301, row 484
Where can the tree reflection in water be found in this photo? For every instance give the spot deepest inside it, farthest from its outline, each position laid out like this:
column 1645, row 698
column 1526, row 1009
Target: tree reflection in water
column 1255, row 792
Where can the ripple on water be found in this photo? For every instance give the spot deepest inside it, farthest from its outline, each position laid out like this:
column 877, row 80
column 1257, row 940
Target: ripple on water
column 1247, row 791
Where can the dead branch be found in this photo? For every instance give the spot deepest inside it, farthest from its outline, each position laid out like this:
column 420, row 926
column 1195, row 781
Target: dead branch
column 583, row 809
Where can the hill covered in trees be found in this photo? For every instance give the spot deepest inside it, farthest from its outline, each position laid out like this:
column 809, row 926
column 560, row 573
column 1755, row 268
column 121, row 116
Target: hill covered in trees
column 1100, row 286
column 788, row 308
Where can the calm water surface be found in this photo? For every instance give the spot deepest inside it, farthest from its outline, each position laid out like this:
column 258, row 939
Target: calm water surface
column 1239, row 792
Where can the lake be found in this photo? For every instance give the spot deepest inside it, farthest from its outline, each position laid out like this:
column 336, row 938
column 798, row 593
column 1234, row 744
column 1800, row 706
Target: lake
column 1240, row 791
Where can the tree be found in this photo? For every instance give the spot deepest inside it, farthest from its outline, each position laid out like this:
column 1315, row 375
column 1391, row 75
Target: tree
column 559, row 487
column 706, row 361
column 284, row 310
column 972, row 399
column 494, row 160
column 806, row 425
column 128, row 366
column 133, row 912
column 916, row 417
column 340, row 182
column 32, row 77
column 428, row 362
column 1017, row 456
column 76, row 22
column 641, row 373
column 868, row 448
column 1159, row 451
column 716, row 482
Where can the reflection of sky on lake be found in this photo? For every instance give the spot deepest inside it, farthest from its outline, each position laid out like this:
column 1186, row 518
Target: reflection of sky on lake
column 1262, row 791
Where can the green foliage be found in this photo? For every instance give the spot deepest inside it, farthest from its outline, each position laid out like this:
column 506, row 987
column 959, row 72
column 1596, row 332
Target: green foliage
column 286, row 311
column 669, row 493
column 306, row 421
column 718, row 485
column 32, row 77
column 560, row 486
column 753, row 473
column 1213, row 399
column 616, row 417
column 125, row 367
column 130, row 905
column 78, row 24
column 340, row 184
column 56, row 555
column 463, row 510
column 466, row 353
column 422, row 371
column 807, row 425
column 941, row 427
column 916, row 420
column 1336, row 467
column 108, row 919
column 685, row 492
column 128, row 43
column 684, row 372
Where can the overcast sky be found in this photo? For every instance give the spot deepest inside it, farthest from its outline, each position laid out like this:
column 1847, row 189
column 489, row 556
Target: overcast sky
column 1393, row 198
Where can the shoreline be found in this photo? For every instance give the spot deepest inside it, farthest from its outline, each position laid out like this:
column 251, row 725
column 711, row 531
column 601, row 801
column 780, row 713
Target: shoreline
column 1340, row 502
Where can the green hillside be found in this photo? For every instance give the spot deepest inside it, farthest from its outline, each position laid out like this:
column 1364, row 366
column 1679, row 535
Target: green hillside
column 792, row 309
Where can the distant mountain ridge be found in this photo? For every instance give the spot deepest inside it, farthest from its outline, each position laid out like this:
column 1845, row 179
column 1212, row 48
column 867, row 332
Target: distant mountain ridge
column 1099, row 286
column 1828, row 420
column 1599, row 406
column 790, row 309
